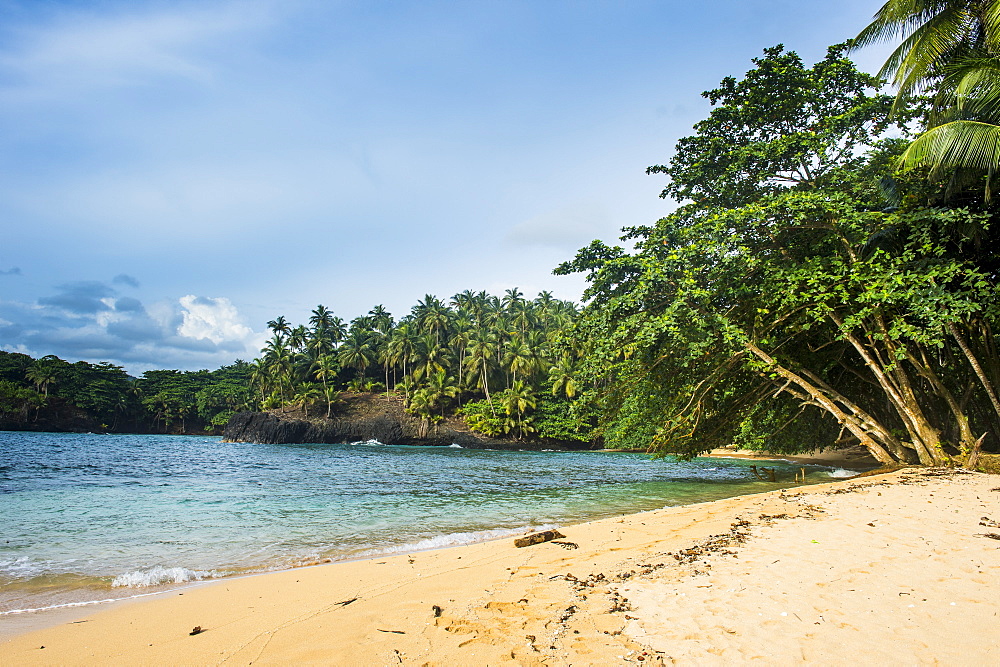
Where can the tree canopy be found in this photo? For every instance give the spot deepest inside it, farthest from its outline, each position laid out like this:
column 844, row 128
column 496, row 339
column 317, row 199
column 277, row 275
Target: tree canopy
column 785, row 304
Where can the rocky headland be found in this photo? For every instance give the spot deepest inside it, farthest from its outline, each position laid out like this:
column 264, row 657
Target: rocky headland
column 359, row 417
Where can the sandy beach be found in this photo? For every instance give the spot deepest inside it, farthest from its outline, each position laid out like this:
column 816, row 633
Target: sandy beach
column 889, row 569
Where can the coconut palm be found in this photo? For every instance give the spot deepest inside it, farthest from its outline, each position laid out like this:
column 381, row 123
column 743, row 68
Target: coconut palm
column 279, row 326
column 480, row 358
column 326, row 368
column 429, row 357
column 356, row 352
column 952, row 49
column 518, row 357
column 42, row 373
column 562, row 375
column 517, row 401
column 432, row 316
column 935, row 33
column 440, row 387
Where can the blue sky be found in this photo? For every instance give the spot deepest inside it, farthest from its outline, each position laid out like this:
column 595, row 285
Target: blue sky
column 175, row 174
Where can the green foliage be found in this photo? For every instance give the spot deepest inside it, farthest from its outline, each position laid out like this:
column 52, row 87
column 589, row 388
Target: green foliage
column 779, row 306
column 481, row 418
column 562, row 419
column 16, row 402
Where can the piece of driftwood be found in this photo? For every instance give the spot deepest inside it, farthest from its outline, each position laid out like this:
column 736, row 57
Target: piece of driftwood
column 973, row 459
column 538, row 538
column 769, row 471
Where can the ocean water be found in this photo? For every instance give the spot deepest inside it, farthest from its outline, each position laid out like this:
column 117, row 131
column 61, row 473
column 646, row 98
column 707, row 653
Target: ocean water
column 86, row 518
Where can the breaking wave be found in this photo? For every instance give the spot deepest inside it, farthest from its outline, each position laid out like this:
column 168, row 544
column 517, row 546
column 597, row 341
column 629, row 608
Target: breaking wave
column 161, row 575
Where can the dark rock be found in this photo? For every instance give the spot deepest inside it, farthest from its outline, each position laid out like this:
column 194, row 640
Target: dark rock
column 362, row 417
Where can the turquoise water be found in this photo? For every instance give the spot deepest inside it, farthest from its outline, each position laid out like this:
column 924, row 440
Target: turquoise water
column 87, row 517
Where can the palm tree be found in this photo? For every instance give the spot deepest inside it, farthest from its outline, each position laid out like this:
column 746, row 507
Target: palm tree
column 432, row 316
column 298, row 337
column 381, row 321
column 516, row 402
column 480, row 357
column 356, row 352
column 440, row 387
column 562, row 376
column 326, row 367
column 429, row 357
column 305, row 396
column 951, row 48
column 43, row 374
column 279, row 361
column 401, row 349
column 518, row 357
column 279, row 326
column 935, row 34
column 322, row 339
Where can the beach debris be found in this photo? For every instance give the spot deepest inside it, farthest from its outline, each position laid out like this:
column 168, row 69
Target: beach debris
column 992, row 536
column 197, row 630
column 769, row 471
column 619, row 603
column 394, row 632
column 344, row 603
column 569, row 611
column 988, row 522
column 538, row 538
column 566, row 545
column 437, row 611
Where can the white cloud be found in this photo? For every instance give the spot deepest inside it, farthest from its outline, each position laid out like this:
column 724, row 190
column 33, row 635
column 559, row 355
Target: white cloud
column 213, row 318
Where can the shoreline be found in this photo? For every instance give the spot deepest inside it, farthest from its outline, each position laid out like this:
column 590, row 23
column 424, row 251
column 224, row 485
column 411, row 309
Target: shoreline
column 592, row 603
column 14, row 623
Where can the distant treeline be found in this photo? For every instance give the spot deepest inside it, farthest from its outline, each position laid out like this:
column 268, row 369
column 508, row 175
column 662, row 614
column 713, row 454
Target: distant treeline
column 505, row 364
column 50, row 393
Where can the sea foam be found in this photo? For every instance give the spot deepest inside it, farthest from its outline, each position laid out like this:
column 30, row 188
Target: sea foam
column 155, row 576
column 454, row 540
column 842, row 472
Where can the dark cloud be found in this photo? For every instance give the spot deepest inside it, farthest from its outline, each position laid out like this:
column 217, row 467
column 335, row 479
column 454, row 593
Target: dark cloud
column 13, row 271
column 125, row 279
column 76, row 324
column 137, row 330
column 127, row 304
column 83, row 297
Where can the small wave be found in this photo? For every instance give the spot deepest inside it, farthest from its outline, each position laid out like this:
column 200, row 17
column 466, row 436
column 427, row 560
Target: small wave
column 454, row 540
column 84, row 603
column 455, row 445
column 160, row 575
column 842, row 472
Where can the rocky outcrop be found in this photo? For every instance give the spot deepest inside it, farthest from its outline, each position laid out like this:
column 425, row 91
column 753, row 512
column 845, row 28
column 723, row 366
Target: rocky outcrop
column 362, row 417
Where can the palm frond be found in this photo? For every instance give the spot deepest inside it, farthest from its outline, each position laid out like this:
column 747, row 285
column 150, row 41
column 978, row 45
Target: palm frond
column 961, row 143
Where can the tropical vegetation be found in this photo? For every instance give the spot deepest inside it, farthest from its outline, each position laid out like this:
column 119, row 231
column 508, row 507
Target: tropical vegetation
column 503, row 363
column 804, row 293
column 54, row 393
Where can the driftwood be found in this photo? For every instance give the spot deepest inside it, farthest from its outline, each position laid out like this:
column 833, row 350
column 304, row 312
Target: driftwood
column 538, row 538
column 769, row 471
column 973, row 459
